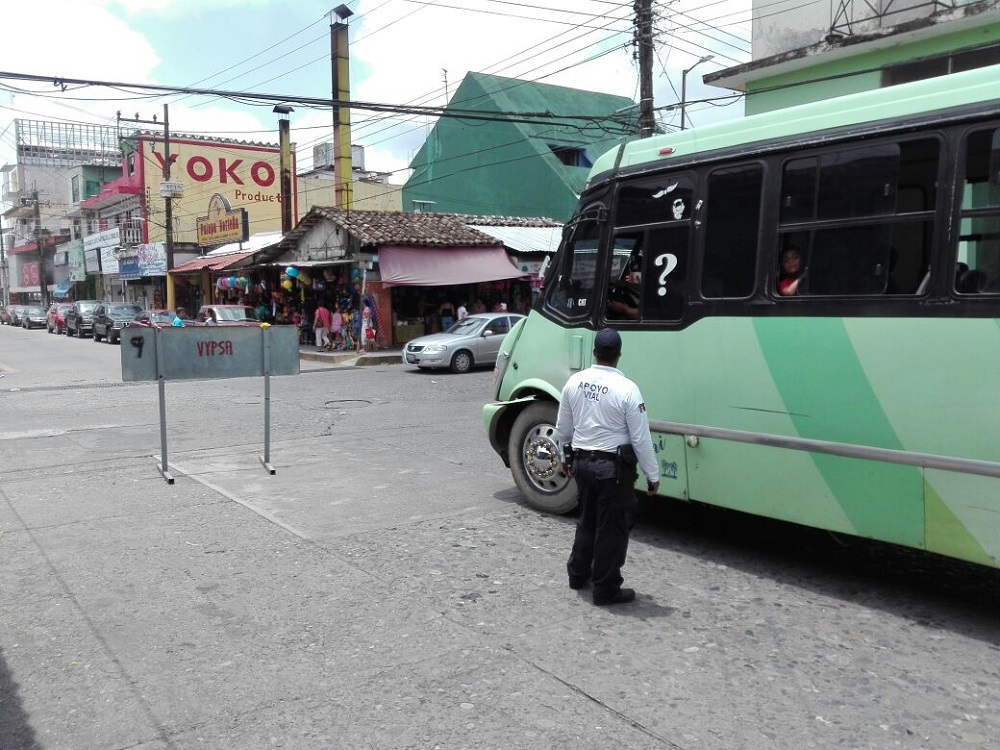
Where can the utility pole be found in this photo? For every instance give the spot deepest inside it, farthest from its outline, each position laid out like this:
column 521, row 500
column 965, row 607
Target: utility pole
column 168, row 210
column 40, row 241
column 4, row 278
column 644, row 41
column 168, row 190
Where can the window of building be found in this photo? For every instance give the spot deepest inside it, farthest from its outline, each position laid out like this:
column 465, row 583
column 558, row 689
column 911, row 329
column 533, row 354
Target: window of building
column 931, row 67
column 74, row 186
column 572, row 156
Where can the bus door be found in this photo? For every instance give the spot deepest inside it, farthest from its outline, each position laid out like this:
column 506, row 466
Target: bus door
column 647, row 300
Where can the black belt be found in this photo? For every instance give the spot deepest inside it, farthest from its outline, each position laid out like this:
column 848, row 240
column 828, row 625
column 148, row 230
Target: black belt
column 597, row 455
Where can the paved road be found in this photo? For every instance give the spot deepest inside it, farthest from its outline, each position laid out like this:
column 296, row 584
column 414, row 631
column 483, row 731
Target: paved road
column 386, row 589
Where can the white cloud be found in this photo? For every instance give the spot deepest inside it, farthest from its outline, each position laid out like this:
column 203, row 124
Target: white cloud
column 399, row 49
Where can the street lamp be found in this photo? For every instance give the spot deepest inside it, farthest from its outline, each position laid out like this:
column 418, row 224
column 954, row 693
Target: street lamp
column 684, row 80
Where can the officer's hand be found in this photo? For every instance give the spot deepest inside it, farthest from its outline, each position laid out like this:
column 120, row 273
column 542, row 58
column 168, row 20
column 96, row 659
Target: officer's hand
column 652, row 487
column 564, row 469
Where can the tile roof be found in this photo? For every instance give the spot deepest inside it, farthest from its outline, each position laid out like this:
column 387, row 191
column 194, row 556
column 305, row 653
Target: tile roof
column 374, row 228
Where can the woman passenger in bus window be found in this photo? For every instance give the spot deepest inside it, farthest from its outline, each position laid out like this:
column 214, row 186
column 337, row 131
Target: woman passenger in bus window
column 792, row 272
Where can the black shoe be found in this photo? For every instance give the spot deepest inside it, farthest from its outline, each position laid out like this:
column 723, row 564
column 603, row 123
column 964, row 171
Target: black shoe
column 576, row 582
column 621, row 596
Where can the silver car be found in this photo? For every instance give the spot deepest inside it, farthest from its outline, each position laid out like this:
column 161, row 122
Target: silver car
column 469, row 342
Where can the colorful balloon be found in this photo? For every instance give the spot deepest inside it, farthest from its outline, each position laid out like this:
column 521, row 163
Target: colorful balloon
column 287, row 285
column 292, row 271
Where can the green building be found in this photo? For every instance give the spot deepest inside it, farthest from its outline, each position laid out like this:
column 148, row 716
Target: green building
column 806, row 54
column 531, row 162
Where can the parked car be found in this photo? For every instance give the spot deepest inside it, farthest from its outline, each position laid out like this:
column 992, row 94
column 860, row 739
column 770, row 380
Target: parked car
column 110, row 318
column 80, row 318
column 55, row 319
column 4, row 315
column 227, row 315
column 154, row 319
column 15, row 314
column 469, row 342
column 33, row 316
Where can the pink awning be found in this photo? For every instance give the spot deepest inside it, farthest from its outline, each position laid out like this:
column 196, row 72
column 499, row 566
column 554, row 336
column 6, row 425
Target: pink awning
column 444, row 266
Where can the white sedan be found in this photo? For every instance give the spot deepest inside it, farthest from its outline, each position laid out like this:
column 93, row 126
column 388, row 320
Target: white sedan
column 469, row 342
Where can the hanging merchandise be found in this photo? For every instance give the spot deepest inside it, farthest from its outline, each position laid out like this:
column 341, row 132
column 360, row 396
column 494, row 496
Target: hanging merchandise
column 291, row 272
column 287, row 284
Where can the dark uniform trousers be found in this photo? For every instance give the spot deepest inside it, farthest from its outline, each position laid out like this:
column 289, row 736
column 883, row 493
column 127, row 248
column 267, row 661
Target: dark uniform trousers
column 607, row 508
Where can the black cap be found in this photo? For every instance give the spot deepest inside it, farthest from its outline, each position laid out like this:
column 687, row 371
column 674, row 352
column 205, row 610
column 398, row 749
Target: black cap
column 607, row 344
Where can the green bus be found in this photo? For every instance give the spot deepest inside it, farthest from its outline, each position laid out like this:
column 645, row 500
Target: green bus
column 867, row 402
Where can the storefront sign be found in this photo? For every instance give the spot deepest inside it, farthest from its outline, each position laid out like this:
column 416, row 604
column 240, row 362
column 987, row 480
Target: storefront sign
column 223, row 224
column 152, row 259
column 108, row 238
column 77, row 272
column 29, row 274
column 246, row 175
column 128, row 270
column 92, row 261
column 109, row 262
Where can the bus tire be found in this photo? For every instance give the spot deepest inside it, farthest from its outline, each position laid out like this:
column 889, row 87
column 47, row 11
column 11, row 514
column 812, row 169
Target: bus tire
column 535, row 458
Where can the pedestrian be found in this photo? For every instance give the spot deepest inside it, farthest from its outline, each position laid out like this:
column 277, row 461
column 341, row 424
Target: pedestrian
column 446, row 312
column 602, row 426
column 336, row 328
column 321, row 324
column 462, row 312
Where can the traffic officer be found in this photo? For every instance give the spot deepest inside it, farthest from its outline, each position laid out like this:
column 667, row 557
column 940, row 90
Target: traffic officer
column 602, row 421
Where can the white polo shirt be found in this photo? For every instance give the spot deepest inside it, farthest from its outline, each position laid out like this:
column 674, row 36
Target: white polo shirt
column 601, row 409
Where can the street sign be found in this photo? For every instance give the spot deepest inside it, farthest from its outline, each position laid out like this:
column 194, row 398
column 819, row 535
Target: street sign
column 209, row 352
column 171, row 189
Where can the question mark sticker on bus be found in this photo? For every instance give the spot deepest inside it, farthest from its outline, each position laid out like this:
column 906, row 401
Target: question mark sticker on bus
column 670, row 261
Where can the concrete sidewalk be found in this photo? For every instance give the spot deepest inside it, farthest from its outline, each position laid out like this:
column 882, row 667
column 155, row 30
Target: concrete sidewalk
column 353, row 357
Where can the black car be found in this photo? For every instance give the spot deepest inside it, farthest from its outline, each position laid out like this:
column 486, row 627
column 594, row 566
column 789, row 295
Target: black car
column 110, row 318
column 80, row 318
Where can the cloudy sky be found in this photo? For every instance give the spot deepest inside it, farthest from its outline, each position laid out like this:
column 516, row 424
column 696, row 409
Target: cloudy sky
column 403, row 52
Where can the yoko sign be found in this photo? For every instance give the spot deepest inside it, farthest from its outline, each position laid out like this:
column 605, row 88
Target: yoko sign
column 248, row 176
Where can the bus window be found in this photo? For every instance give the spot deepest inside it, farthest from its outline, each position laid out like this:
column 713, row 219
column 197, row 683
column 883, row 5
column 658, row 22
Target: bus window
column 655, row 200
column 571, row 290
column 664, row 273
column 842, row 256
column 850, row 260
column 977, row 261
column 732, row 221
column 858, row 182
column 625, row 290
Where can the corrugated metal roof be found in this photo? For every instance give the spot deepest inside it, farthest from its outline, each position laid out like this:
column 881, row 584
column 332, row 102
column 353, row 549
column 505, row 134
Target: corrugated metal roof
column 212, row 262
column 525, row 239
